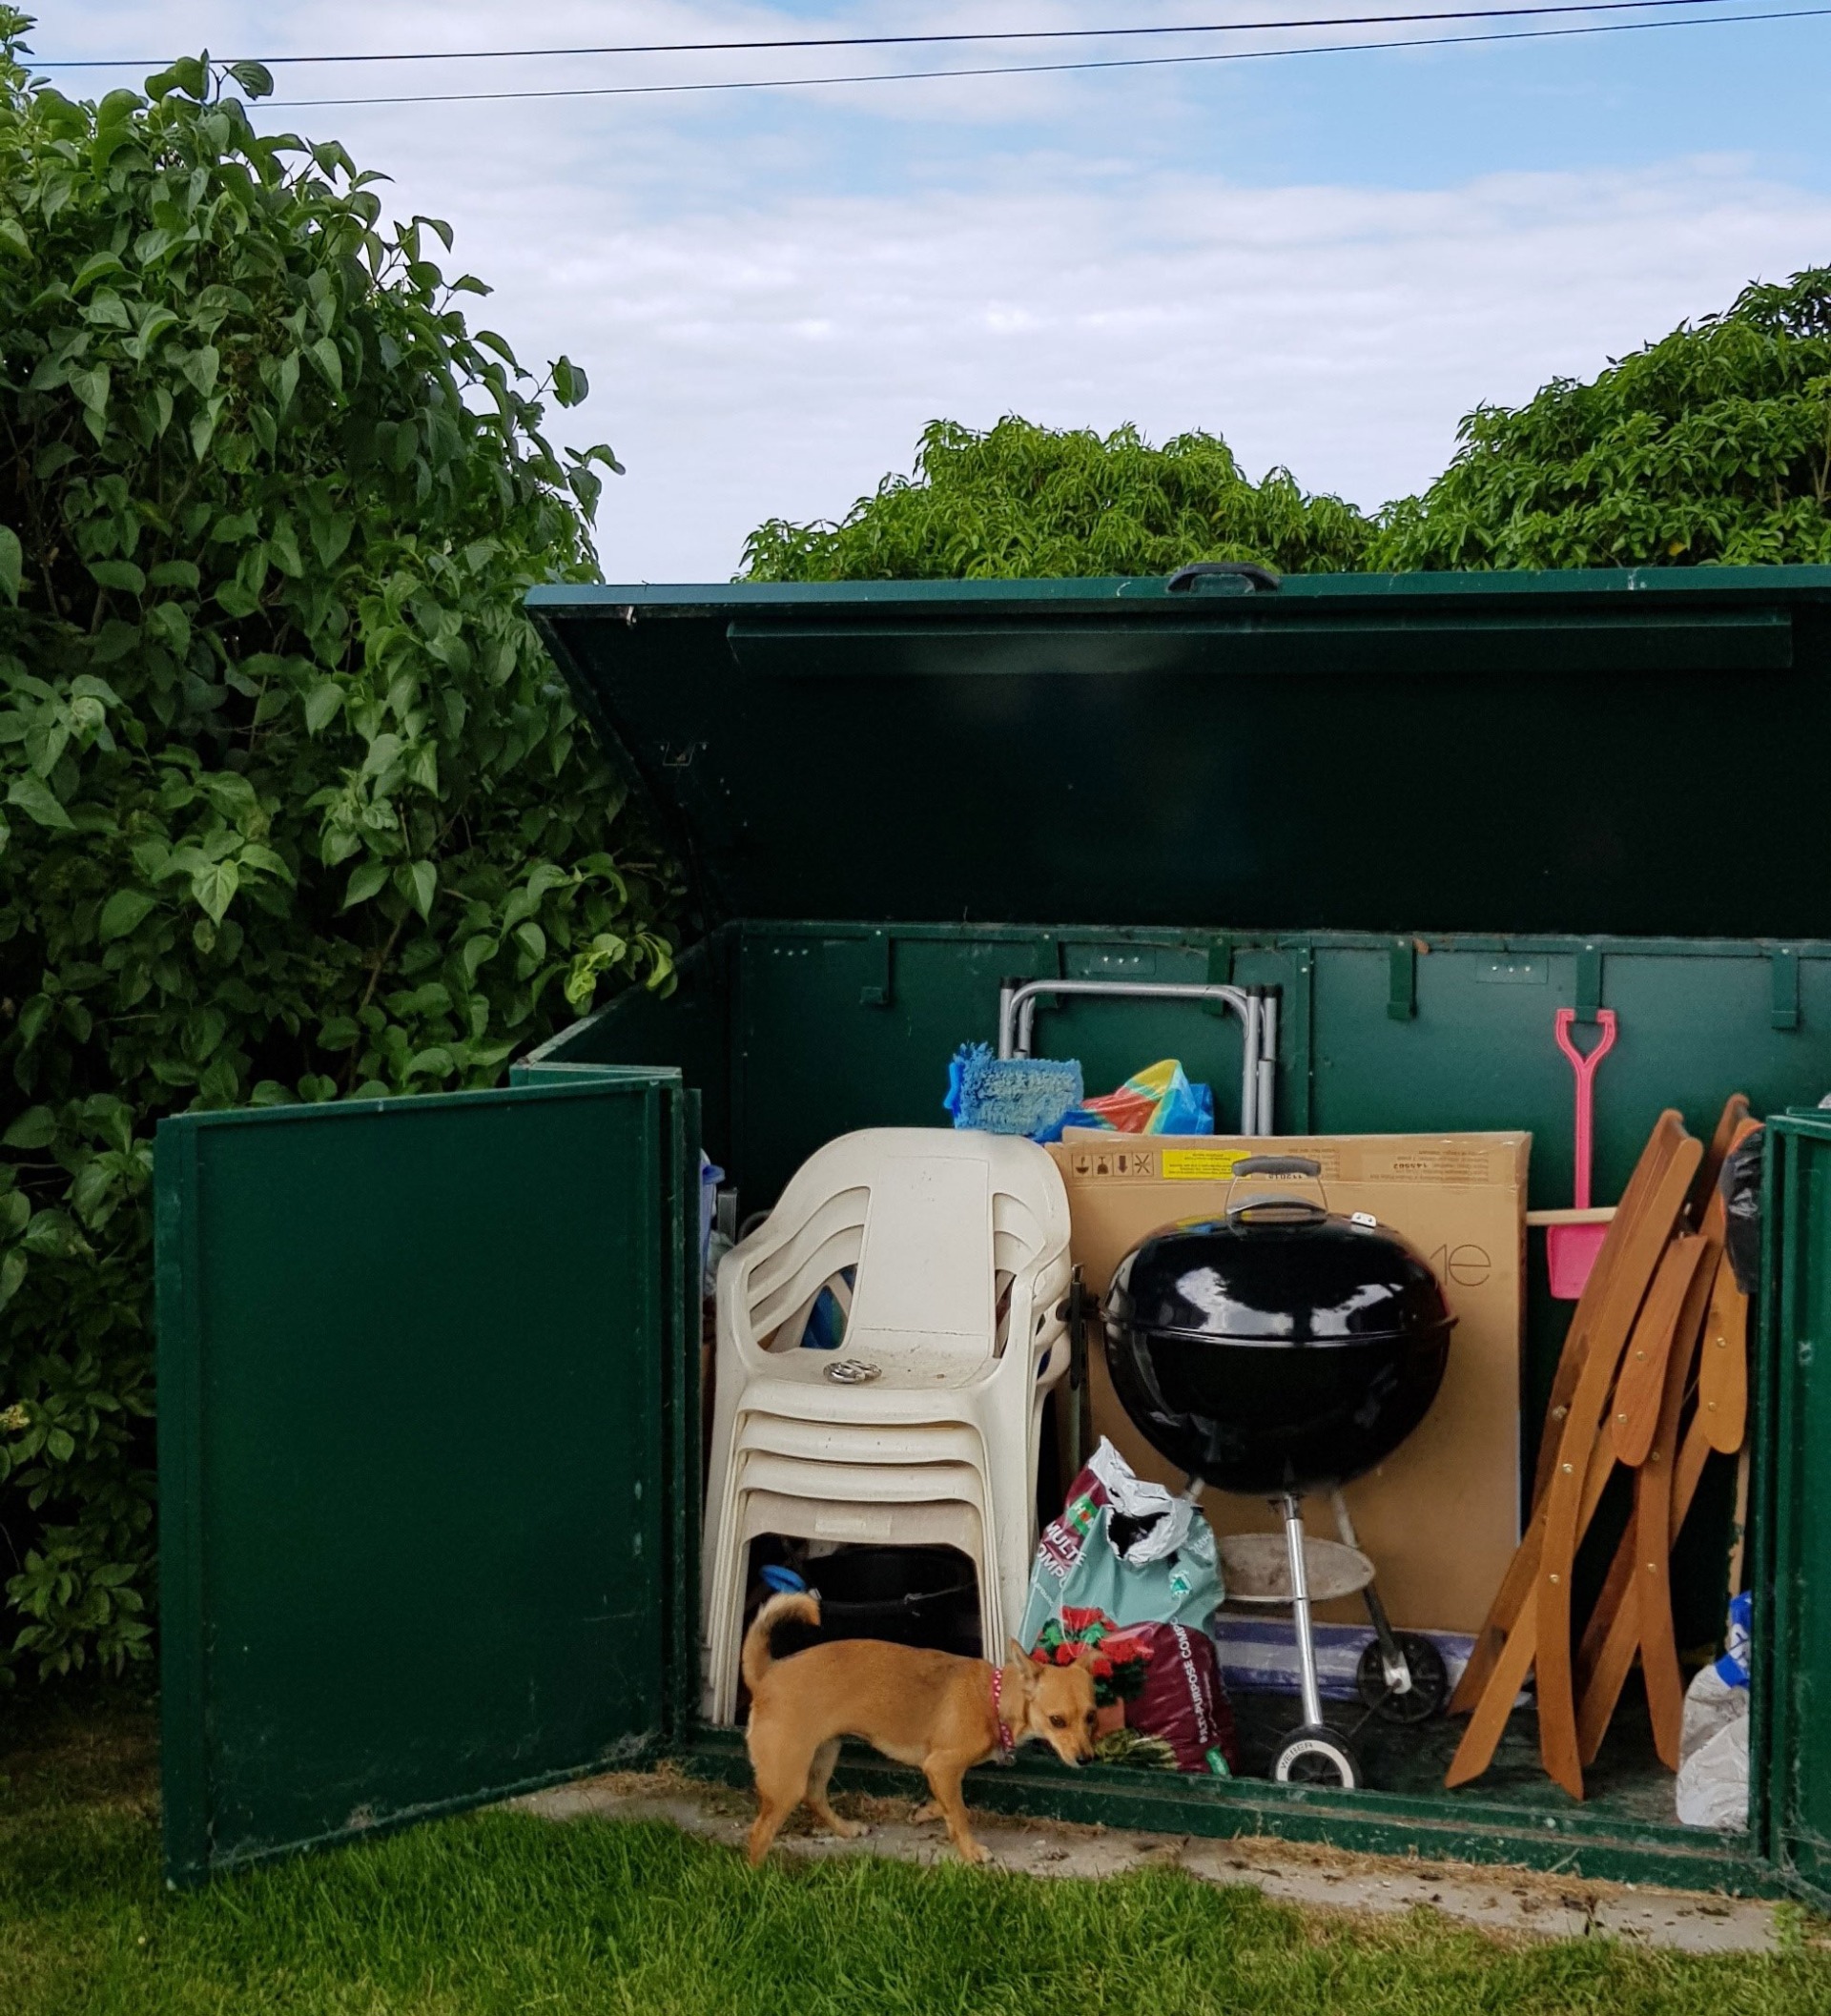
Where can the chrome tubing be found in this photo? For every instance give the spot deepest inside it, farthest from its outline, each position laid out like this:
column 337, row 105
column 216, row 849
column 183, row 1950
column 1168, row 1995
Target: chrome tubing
column 1267, row 1107
column 1300, row 1611
column 1257, row 1010
column 1249, row 1122
column 1017, row 1008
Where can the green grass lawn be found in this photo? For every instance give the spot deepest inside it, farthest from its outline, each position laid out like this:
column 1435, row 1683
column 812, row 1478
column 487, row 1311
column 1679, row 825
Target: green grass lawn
column 503, row 1912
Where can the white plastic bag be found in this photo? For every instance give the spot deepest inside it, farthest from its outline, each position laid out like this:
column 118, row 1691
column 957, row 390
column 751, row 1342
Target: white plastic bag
column 1713, row 1743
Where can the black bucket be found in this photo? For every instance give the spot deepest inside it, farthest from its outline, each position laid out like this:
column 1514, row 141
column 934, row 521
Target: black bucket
column 924, row 1596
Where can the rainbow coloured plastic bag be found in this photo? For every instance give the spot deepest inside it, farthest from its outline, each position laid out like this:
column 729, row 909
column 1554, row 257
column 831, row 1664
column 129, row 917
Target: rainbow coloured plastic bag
column 1158, row 1101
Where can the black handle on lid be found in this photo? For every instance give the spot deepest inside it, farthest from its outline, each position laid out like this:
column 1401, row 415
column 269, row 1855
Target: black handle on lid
column 1256, row 577
column 1293, row 1210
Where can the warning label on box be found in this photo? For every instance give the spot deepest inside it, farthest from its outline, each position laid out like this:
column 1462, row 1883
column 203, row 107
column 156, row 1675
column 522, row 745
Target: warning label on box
column 1201, row 1165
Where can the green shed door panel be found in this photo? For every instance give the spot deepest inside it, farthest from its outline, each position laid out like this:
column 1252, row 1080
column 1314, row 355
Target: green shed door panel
column 1379, row 753
column 1797, row 1432
column 411, row 1400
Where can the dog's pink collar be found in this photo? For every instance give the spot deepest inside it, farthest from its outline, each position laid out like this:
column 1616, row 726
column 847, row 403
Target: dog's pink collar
column 1007, row 1742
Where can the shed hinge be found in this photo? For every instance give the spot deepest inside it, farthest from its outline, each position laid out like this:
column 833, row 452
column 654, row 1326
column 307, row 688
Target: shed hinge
column 1402, row 981
column 1588, row 982
column 876, row 992
column 1783, row 971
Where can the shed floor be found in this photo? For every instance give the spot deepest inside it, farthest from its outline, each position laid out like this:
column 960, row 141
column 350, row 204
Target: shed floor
column 1627, row 1781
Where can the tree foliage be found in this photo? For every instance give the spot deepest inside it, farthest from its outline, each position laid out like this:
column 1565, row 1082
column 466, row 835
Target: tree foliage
column 1018, row 499
column 1710, row 445
column 295, row 807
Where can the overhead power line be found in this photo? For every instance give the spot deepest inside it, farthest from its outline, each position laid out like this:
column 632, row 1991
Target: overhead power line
column 1002, row 34
column 1033, row 70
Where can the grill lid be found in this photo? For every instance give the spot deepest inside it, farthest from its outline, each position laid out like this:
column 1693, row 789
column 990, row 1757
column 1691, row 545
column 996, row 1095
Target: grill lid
column 1289, row 1273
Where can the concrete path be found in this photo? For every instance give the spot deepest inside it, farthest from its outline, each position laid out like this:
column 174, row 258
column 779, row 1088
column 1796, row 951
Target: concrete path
column 1506, row 1902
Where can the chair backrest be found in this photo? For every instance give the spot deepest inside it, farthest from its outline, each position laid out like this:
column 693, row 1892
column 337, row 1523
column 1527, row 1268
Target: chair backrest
column 934, row 1241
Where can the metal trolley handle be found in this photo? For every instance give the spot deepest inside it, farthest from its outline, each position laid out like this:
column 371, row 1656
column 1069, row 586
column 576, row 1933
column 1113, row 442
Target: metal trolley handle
column 1257, row 1008
column 1303, row 1209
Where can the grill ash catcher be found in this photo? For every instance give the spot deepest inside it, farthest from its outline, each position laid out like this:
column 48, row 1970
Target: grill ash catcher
column 1281, row 1350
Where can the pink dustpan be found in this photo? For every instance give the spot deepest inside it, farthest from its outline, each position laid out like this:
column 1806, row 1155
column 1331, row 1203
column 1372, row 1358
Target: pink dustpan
column 1571, row 1249
column 1569, row 1253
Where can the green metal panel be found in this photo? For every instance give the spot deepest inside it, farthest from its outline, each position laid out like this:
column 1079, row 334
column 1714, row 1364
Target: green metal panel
column 809, row 1057
column 678, row 1567
column 1467, row 753
column 1259, row 638
column 1793, row 1619
column 417, row 1544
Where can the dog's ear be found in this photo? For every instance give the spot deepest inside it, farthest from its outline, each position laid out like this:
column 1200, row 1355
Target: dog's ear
column 1086, row 1655
column 1014, row 1654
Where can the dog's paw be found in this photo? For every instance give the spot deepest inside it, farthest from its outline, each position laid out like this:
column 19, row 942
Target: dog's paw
column 969, row 1851
column 927, row 1810
column 847, row 1829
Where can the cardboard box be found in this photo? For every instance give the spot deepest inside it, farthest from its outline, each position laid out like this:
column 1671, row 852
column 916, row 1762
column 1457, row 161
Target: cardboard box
column 1440, row 1517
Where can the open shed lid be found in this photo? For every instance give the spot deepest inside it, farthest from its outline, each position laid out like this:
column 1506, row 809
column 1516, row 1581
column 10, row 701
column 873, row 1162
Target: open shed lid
column 1634, row 751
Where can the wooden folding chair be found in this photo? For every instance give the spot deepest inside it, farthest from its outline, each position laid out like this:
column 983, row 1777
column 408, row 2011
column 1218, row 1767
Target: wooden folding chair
column 1633, row 1612
column 1529, row 1623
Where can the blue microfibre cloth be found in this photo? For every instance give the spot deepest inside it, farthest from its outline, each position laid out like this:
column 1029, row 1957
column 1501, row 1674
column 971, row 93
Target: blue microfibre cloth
column 1015, row 1095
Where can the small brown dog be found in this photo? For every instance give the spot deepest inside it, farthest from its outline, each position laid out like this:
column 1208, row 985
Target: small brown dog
column 929, row 1709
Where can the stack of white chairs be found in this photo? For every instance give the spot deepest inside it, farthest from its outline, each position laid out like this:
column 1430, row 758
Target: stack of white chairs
column 947, row 1255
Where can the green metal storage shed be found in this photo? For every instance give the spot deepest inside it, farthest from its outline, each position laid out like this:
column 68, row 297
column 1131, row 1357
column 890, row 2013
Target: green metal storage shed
column 428, row 1368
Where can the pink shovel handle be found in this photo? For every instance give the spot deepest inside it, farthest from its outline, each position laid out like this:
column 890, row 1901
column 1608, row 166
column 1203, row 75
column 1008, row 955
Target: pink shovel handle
column 1584, row 1066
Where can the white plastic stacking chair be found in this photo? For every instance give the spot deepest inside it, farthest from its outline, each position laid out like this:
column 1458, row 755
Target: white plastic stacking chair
column 956, row 1245
column 875, row 1464
column 901, row 1504
column 846, row 1469
column 961, row 1229
column 875, row 1442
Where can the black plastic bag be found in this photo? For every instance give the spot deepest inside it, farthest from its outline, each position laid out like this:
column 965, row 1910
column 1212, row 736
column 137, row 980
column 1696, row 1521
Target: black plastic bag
column 1740, row 1186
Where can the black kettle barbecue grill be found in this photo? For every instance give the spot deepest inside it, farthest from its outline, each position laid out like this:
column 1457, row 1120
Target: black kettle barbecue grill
column 1282, row 1350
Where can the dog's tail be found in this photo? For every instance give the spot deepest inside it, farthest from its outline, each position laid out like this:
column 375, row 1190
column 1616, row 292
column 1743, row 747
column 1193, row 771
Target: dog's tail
column 758, row 1655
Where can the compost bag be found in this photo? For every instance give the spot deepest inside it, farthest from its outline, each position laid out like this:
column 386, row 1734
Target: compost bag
column 1130, row 1569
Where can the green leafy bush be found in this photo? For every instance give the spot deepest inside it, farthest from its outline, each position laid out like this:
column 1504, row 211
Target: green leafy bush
column 295, row 807
column 1711, row 445
column 1023, row 500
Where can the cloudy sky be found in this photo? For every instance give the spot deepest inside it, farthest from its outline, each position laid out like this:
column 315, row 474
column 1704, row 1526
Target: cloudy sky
column 1327, row 257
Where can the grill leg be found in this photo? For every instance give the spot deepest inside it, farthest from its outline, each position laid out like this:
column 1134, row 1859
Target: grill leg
column 1300, row 1611
column 1393, row 1667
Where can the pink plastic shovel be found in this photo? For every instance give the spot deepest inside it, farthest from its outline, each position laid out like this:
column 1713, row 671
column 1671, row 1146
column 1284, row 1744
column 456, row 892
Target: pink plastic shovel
column 1571, row 1249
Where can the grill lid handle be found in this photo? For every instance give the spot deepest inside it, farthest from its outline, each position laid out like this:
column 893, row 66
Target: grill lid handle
column 1292, row 1210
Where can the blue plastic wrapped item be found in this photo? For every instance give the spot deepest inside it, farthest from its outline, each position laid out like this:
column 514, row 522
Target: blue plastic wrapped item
column 1012, row 1095
column 1731, row 1669
column 710, row 1176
